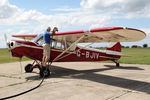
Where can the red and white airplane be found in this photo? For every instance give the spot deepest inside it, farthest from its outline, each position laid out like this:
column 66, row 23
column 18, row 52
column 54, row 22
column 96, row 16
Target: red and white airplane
column 65, row 46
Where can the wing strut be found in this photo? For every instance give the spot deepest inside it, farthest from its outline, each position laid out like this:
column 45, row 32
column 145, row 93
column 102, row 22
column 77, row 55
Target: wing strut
column 69, row 47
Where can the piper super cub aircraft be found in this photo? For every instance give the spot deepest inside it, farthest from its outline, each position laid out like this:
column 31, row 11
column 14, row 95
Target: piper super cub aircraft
column 65, row 46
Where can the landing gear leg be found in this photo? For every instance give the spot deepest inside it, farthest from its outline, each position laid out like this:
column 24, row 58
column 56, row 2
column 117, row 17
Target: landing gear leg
column 29, row 67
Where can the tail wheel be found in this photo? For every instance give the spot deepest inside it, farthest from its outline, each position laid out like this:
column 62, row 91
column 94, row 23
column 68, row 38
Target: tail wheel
column 117, row 65
column 28, row 68
column 44, row 72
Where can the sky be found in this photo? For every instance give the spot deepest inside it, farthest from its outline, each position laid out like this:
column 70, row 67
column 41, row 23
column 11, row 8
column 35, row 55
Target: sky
column 33, row 16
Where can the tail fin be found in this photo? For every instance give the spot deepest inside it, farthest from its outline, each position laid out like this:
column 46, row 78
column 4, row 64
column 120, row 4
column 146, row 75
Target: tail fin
column 115, row 47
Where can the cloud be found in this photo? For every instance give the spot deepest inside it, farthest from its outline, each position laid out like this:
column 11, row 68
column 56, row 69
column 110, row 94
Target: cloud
column 12, row 15
column 146, row 30
column 7, row 10
column 91, row 14
column 65, row 9
column 33, row 21
column 77, row 17
column 130, row 8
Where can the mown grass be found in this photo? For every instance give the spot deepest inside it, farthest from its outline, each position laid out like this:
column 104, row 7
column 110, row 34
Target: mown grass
column 5, row 56
column 138, row 56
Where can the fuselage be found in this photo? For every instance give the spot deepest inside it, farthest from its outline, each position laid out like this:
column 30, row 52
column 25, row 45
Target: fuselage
column 34, row 51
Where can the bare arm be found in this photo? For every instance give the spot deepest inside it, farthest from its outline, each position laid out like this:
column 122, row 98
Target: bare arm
column 54, row 31
column 51, row 33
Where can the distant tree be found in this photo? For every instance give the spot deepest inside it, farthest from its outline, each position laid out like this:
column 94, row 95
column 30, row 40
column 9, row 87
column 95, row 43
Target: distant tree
column 139, row 47
column 127, row 47
column 134, row 46
column 122, row 46
column 145, row 45
column 90, row 46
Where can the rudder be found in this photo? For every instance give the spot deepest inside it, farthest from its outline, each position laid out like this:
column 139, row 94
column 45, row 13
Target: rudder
column 115, row 47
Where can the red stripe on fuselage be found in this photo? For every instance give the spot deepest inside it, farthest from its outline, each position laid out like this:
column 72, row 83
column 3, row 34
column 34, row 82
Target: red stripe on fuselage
column 79, row 55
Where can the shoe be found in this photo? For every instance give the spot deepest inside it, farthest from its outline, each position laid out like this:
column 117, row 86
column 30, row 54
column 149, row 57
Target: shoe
column 44, row 72
column 43, row 68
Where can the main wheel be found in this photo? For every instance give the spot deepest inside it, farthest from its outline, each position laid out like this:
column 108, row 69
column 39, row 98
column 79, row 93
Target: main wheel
column 44, row 72
column 28, row 68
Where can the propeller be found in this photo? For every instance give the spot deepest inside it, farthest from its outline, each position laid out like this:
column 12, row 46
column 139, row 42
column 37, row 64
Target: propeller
column 7, row 42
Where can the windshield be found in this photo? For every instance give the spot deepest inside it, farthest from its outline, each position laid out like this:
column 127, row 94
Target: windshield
column 36, row 39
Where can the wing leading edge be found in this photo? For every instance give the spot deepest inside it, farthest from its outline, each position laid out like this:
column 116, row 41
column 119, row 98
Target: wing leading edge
column 25, row 37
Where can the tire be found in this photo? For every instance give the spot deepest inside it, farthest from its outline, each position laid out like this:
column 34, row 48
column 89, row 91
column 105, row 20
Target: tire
column 28, row 68
column 44, row 72
column 117, row 65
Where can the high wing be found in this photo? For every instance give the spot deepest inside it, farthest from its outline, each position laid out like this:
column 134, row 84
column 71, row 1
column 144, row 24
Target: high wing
column 25, row 37
column 107, row 34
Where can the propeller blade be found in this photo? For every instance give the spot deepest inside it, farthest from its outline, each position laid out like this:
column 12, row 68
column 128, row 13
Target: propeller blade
column 5, row 36
column 6, row 41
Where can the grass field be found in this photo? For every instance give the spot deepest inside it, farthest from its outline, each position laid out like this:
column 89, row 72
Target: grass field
column 138, row 56
column 5, row 57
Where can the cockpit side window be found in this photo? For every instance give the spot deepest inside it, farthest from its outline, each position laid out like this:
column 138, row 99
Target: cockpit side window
column 55, row 44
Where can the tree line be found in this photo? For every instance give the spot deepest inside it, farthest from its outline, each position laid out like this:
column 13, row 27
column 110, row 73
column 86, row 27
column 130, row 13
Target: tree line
column 136, row 46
